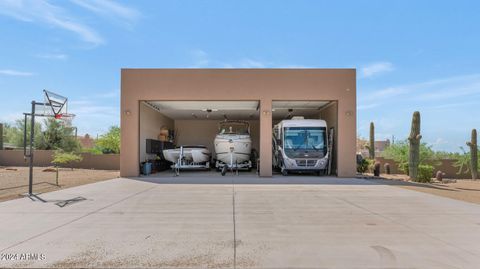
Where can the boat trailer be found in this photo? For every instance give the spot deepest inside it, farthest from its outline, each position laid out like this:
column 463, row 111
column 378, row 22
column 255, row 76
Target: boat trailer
column 184, row 164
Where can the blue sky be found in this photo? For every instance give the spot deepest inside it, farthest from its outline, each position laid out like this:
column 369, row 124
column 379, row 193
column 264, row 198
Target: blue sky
column 409, row 55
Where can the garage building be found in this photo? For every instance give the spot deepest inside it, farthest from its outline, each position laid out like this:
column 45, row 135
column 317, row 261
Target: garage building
column 193, row 101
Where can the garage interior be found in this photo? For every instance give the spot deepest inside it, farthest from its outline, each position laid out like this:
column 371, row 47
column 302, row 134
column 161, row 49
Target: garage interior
column 196, row 123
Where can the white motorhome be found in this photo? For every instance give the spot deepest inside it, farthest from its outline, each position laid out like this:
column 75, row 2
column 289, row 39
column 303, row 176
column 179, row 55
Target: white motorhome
column 300, row 145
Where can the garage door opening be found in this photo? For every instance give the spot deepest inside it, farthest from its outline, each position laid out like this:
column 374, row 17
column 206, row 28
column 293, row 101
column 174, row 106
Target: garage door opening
column 191, row 130
column 305, row 137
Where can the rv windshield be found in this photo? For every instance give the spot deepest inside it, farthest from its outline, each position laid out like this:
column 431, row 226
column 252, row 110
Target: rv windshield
column 305, row 138
column 234, row 128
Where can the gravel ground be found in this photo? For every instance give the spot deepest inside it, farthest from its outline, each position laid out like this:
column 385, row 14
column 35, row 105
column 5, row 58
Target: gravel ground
column 14, row 180
column 463, row 189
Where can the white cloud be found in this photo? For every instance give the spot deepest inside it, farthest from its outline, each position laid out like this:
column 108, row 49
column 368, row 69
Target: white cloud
column 249, row 63
column 438, row 89
column 9, row 72
column 92, row 116
column 42, row 11
column 10, row 118
column 109, row 9
column 439, row 141
column 200, row 58
column 53, row 56
column 374, row 69
column 364, row 107
column 110, row 94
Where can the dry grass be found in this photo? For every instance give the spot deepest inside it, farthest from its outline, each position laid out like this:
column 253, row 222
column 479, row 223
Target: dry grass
column 14, row 180
column 463, row 189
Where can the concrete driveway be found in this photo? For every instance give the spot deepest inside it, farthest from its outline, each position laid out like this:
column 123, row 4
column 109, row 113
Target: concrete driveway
column 294, row 222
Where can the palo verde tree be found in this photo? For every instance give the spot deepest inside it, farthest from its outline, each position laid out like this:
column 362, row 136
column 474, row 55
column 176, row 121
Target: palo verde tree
column 13, row 134
column 110, row 142
column 58, row 137
column 61, row 158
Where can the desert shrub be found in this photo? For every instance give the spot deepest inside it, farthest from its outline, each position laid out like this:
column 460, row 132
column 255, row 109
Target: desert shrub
column 63, row 158
column 425, row 173
column 362, row 166
column 462, row 161
column 94, row 151
column 399, row 153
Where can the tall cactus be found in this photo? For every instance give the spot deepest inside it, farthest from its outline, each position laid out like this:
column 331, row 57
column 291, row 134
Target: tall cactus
column 414, row 151
column 1, row 136
column 371, row 146
column 473, row 154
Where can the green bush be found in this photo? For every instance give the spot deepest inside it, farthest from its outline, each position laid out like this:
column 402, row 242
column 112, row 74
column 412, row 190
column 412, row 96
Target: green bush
column 110, row 142
column 63, row 158
column 363, row 166
column 425, row 173
column 93, row 151
column 399, row 152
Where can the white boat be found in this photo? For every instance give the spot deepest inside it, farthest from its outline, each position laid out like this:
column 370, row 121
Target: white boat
column 233, row 145
column 191, row 154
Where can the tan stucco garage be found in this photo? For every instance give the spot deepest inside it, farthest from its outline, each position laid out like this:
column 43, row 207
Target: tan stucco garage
column 271, row 89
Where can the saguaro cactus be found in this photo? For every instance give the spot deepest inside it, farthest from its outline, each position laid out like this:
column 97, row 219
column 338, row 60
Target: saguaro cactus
column 414, row 151
column 376, row 169
column 473, row 154
column 387, row 168
column 1, row 136
column 371, row 145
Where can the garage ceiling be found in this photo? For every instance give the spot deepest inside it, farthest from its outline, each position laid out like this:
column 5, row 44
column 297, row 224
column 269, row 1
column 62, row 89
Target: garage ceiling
column 235, row 110
column 287, row 109
column 181, row 110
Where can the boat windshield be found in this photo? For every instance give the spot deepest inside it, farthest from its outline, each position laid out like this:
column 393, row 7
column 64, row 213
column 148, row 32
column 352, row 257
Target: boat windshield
column 234, row 128
column 305, row 138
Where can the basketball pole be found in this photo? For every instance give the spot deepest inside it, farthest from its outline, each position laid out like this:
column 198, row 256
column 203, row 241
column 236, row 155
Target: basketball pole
column 56, row 103
column 32, row 134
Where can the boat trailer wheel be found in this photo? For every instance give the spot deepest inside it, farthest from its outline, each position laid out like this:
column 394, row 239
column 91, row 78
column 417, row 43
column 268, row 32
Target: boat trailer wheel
column 224, row 170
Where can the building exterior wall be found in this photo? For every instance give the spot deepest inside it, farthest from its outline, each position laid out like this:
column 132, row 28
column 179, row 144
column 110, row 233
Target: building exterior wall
column 330, row 115
column 264, row 85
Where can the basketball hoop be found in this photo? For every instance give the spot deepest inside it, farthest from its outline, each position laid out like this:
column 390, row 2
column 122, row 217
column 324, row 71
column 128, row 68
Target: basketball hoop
column 55, row 106
column 66, row 119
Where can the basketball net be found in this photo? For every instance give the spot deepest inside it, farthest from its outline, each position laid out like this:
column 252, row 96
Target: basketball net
column 65, row 119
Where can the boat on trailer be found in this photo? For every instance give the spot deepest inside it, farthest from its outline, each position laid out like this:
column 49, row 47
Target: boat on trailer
column 188, row 157
column 233, row 146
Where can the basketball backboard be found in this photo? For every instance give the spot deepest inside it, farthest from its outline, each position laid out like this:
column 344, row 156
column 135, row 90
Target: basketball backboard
column 56, row 102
